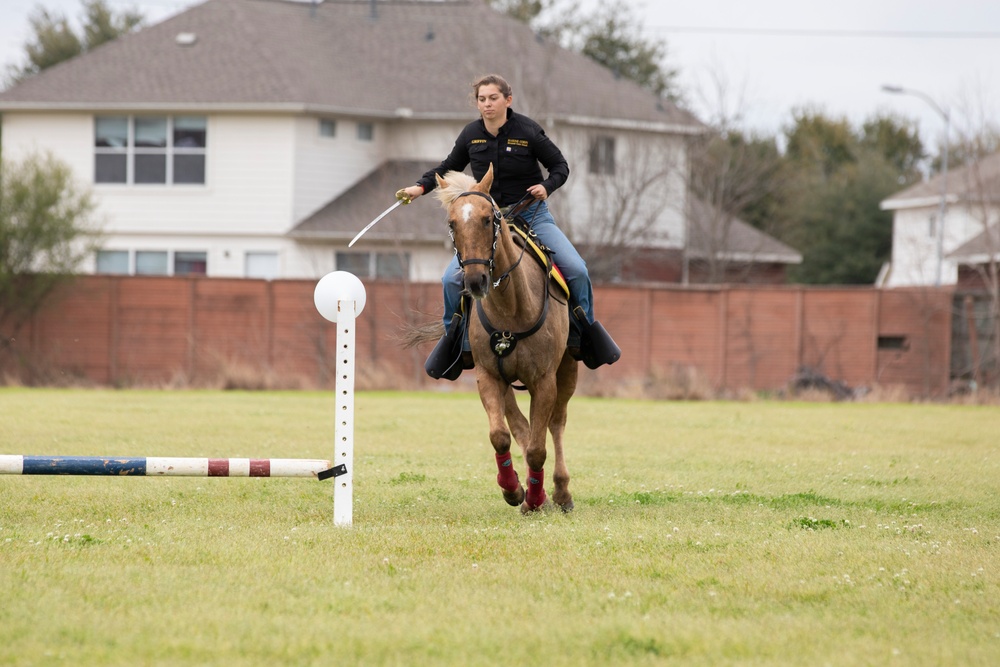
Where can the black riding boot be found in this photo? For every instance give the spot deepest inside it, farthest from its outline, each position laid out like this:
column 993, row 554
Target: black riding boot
column 597, row 347
column 446, row 360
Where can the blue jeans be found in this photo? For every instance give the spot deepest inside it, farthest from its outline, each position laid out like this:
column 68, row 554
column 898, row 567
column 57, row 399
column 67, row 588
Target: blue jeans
column 566, row 257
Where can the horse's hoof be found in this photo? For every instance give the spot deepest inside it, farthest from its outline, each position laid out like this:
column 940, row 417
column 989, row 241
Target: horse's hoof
column 515, row 497
column 528, row 509
column 567, row 507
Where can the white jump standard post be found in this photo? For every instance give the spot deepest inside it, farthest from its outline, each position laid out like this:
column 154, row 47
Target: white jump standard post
column 340, row 297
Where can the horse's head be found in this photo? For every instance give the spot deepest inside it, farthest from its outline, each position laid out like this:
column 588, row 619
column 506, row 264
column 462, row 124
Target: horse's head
column 474, row 223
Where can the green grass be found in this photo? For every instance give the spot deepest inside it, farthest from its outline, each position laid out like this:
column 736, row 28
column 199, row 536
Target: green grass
column 704, row 534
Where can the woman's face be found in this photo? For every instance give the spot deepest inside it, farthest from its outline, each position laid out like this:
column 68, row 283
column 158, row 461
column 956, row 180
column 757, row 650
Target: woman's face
column 491, row 102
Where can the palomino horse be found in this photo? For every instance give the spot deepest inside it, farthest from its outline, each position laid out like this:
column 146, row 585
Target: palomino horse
column 519, row 334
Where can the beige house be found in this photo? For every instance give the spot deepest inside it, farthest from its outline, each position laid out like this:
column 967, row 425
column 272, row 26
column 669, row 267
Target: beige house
column 254, row 138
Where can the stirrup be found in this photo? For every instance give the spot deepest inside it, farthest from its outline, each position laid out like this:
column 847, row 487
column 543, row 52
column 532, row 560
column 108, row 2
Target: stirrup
column 446, row 359
column 597, row 347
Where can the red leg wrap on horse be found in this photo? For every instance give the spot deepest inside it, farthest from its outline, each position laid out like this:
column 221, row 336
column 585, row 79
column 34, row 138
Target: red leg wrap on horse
column 507, row 477
column 536, row 488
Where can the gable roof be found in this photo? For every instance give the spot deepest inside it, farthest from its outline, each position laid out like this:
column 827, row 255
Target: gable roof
column 424, row 221
column 741, row 241
column 345, row 216
column 341, row 57
column 979, row 181
column 982, row 248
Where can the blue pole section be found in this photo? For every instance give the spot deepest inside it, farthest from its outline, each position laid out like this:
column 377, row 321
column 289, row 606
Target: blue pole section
column 83, row 465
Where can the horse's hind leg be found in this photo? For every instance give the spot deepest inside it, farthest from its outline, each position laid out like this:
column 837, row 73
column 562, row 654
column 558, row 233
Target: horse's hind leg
column 566, row 380
column 492, row 395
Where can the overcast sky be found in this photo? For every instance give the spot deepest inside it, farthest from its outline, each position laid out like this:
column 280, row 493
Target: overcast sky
column 772, row 55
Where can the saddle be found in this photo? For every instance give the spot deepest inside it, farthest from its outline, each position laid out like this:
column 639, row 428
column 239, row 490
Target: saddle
column 588, row 342
column 543, row 255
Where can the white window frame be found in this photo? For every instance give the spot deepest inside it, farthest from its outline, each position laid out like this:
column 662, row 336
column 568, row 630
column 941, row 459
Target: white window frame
column 601, row 156
column 323, row 124
column 133, row 261
column 373, row 261
column 169, row 151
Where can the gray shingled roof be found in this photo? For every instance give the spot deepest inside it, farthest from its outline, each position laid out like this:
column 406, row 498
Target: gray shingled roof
column 975, row 182
column 980, row 248
column 336, row 58
column 345, row 216
column 424, row 220
column 742, row 242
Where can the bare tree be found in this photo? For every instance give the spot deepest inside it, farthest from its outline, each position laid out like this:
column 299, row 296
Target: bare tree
column 625, row 200
column 730, row 172
column 979, row 185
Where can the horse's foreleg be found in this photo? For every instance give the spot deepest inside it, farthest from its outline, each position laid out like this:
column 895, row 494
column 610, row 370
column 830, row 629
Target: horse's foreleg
column 566, row 381
column 516, row 420
column 491, row 394
column 543, row 398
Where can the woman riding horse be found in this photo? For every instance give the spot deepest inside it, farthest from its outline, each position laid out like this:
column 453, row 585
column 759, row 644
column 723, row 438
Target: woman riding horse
column 522, row 338
column 515, row 145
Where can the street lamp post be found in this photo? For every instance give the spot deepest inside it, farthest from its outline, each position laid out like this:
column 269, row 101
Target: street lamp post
column 898, row 90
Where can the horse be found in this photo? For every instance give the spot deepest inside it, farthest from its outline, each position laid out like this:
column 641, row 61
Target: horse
column 519, row 335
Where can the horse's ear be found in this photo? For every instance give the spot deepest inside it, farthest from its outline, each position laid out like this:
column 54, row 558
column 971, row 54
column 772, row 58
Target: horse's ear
column 487, row 181
column 442, row 191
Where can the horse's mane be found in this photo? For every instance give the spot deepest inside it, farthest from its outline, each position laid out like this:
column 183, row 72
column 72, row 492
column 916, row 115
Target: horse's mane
column 458, row 182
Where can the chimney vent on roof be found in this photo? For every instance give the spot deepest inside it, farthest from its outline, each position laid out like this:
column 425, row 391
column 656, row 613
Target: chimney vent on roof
column 185, row 38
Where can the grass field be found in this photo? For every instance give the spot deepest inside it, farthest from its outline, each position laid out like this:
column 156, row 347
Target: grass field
column 715, row 533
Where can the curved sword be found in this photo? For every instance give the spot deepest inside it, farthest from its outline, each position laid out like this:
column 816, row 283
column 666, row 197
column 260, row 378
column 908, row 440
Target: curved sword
column 401, row 198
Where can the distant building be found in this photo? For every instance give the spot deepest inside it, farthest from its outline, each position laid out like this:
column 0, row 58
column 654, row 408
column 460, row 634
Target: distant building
column 969, row 238
column 254, row 138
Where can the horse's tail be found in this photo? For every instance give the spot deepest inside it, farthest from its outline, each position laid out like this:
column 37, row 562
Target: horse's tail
column 411, row 335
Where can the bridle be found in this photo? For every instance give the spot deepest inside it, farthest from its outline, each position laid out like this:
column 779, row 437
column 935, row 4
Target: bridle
column 523, row 203
column 502, row 342
column 497, row 221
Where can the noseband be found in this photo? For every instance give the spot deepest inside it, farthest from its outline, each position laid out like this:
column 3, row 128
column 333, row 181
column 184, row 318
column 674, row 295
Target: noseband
column 497, row 220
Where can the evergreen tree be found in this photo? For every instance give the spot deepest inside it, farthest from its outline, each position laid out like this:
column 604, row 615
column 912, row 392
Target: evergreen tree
column 55, row 41
column 837, row 177
column 612, row 36
column 46, row 230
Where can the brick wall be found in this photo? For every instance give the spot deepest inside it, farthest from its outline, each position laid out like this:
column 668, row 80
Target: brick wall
column 135, row 330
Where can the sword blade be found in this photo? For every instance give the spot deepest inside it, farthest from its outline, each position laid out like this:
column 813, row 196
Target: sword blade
column 372, row 223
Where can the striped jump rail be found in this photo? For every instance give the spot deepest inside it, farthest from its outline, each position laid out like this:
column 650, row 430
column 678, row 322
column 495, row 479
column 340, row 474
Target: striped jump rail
column 162, row 466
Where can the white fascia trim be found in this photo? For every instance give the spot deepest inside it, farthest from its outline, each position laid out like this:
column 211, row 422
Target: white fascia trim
column 750, row 258
column 917, row 202
column 977, row 258
column 636, row 125
column 201, row 107
column 189, row 234
column 344, row 236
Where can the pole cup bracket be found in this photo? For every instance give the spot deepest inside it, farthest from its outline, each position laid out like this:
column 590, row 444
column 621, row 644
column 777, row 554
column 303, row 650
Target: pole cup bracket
column 335, row 471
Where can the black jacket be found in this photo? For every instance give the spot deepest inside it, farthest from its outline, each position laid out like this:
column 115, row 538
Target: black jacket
column 516, row 151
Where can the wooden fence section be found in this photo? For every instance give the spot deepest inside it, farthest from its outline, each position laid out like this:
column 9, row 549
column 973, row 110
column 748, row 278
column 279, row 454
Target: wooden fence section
column 138, row 331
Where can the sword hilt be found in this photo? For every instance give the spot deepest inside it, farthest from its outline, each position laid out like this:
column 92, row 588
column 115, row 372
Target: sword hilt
column 403, row 197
